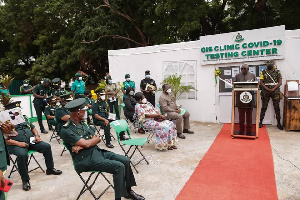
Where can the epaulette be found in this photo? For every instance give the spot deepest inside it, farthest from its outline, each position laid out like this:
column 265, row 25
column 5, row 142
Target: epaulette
column 60, row 106
column 67, row 124
column 47, row 106
column 96, row 101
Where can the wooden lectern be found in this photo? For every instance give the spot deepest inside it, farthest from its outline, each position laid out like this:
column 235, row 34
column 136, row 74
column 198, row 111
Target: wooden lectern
column 291, row 114
column 245, row 110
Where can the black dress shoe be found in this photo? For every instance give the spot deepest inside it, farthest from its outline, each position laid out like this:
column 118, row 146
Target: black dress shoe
column 279, row 126
column 44, row 131
column 109, row 145
column 26, row 185
column 180, row 135
column 53, row 171
column 260, row 125
column 188, row 131
column 134, row 196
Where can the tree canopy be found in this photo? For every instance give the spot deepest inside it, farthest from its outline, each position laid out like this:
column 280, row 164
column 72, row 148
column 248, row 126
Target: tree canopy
column 56, row 38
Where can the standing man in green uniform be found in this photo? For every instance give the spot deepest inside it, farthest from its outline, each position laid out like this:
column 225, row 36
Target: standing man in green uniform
column 56, row 89
column 112, row 90
column 126, row 84
column 148, row 87
column 89, row 101
column 81, row 141
column 62, row 115
column 78, row 87
column 4, row 159
column 50, row 112
column 100, row 116
column 270, row 81
column 20, row 145
column 26, row 88
column 40, row 93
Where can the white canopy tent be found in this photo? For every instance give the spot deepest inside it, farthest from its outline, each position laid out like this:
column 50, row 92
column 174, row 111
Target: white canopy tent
column 190, row 60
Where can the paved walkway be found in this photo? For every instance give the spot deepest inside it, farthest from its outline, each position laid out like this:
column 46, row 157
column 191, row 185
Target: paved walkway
column 167, row 172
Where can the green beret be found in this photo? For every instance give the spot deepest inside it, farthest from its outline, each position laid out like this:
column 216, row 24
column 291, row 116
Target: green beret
column 26, row 81
column 127, row 75
column 100, row 91
column 78, row 74
column 147, row 72
column 51, row 98
column 108, row 77
column 56, row 80
column 77, row 104
column 47, row 80
column 66, row 97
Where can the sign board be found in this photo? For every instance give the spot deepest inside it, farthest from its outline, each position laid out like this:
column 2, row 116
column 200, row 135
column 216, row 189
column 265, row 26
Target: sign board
column 249, row 45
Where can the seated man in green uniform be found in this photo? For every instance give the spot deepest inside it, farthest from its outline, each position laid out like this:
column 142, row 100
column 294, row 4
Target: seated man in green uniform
column 89, row 101
column 78, row 87
column 26, row 88
column 56, row 88
column 40, row 93
column 81, row 141
column 50, row 112
column 20, row 145
column 100, row 113
column 4, row 159
column 62, row 115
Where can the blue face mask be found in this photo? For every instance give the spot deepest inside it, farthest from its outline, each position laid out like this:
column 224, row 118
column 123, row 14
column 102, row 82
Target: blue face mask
column 110, row 81
column 147, row 76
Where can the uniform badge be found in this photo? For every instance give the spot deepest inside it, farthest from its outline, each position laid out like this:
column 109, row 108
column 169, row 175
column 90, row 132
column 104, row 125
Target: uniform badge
column 246, row 97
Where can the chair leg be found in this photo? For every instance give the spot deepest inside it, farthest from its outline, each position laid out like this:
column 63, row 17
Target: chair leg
column 39, row 166
column 54, row 135
column 14, row 167
column 62, row 152
column 88, row 187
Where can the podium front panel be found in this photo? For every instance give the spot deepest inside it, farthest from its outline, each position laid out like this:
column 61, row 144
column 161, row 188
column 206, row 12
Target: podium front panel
column 244, row 113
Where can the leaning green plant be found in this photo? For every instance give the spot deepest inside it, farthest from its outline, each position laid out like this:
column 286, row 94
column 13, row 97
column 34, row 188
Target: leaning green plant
column 177, row 88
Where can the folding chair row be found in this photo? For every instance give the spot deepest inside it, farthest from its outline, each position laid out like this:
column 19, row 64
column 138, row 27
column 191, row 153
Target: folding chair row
column 54, row 133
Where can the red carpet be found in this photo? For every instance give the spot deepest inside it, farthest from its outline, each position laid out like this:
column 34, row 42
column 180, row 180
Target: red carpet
column 234, row 169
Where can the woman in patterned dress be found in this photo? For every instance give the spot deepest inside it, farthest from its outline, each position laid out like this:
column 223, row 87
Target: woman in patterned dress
column 166, row 137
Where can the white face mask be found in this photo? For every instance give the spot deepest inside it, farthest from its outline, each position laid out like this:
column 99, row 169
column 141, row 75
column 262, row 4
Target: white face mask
column 58, row 103
column 102, row 97
column 147, row 76
column 80, row 78
column 25, row 84
column 128, row 79
column 42, row 82
column 131, row 93
column 144, row 100
column 169, row 91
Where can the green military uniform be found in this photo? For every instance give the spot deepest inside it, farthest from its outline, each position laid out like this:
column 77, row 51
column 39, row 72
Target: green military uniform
column 24, row 88
column 101, row 108
column 24, row 134
column 59, row 113
column 58, row 92
column 96, row 159
column 89, row 101
column 4, row 160
column 265, row 95
column 49, row 110
column 39, row 103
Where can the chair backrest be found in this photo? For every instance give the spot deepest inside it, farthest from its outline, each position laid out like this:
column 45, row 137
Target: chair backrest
column 157, row 105
column 123, row 105
column 120, row 126
column 70, row 155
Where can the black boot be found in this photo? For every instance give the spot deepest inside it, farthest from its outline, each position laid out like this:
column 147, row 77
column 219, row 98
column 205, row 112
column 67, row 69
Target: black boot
column 279, row 125
column 260, row 124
